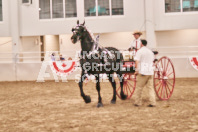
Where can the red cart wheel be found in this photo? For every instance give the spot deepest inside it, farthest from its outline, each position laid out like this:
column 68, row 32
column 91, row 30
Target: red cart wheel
column 128, row 86
column 164, row 78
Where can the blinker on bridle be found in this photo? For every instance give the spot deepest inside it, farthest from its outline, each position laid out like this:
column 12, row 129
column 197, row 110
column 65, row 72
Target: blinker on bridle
column 77, row 27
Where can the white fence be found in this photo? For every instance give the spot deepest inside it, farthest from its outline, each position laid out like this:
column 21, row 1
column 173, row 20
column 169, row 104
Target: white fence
column 25, row 66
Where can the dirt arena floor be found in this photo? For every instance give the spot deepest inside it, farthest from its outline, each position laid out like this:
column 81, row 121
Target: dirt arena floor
column 58, row 107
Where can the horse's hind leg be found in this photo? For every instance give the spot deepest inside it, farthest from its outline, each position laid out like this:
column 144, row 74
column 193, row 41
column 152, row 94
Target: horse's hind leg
column 86, row 98
column 123, row 96
column 98, row 89
column 111, row 79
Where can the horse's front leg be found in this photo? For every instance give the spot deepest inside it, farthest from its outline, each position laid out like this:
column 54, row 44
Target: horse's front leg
column 123, row 96
column 86, row 98
column 98, row 89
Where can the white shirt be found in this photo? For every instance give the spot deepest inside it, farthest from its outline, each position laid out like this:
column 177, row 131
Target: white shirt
column 133, row 43
column 53, row 58
column 145, row 57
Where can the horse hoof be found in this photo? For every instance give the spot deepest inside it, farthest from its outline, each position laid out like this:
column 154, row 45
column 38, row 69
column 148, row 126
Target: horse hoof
column 99, row 105
column 113, row 102
column 123, row 96
column 87, row 99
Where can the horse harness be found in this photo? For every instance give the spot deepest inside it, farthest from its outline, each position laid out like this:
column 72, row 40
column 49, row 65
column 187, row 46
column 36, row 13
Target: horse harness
column 101, row 52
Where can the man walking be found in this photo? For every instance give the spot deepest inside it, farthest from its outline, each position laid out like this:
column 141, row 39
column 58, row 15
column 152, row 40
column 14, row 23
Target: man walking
column 144, row 71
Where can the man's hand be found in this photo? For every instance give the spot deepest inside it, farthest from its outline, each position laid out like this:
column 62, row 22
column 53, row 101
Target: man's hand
column 134, row 48
column 136, row 73
column 136, row 67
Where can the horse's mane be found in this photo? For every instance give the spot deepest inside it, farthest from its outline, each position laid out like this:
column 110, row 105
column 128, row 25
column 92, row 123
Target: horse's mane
column 91, row 35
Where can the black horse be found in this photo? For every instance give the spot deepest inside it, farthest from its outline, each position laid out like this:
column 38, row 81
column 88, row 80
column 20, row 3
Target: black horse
column 96, row 60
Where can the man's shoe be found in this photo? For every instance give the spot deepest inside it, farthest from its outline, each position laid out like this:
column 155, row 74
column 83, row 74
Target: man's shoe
column 151, row 105
column 136, row 105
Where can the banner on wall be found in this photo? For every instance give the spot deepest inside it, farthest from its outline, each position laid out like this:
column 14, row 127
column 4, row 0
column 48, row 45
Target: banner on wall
column 63, row 68
column 194, row 62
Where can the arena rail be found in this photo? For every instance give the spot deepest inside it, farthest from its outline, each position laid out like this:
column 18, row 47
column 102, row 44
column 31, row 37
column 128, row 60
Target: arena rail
column 172, row 52
column 18, row 66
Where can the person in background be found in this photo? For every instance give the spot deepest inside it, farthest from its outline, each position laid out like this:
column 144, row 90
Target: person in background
column 61, row 58
column 136, row 44
column 144, row 71
column 69, row 58
column 53, row 57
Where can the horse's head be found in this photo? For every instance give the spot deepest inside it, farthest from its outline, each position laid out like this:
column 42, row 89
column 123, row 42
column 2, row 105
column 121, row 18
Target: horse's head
column 78, row 32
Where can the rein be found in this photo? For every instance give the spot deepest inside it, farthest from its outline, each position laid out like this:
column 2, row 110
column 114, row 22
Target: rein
column 95, row 46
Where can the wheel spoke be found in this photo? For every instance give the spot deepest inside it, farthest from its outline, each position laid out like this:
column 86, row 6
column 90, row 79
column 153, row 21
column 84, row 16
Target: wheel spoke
column 170, row 86
column 169, row 89
column 127, row 90
column 162, row 93
column 130, row 84
column 161, row 64
column 167, row 66
column 157, row 83
column 162, row 89
column 170, row 74
column 166, row 91
column 130, row 89
column 129, row 93
column 168, row 70
column 118, row 89
column 159, row 88
column 123, row 88
column 164, row 65
column 170, row 83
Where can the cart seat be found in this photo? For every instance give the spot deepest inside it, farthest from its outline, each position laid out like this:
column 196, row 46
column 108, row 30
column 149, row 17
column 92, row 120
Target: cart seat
column 129, row 64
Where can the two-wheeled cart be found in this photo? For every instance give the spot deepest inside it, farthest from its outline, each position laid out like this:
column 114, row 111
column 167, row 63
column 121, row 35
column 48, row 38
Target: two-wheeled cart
column 163, row 78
